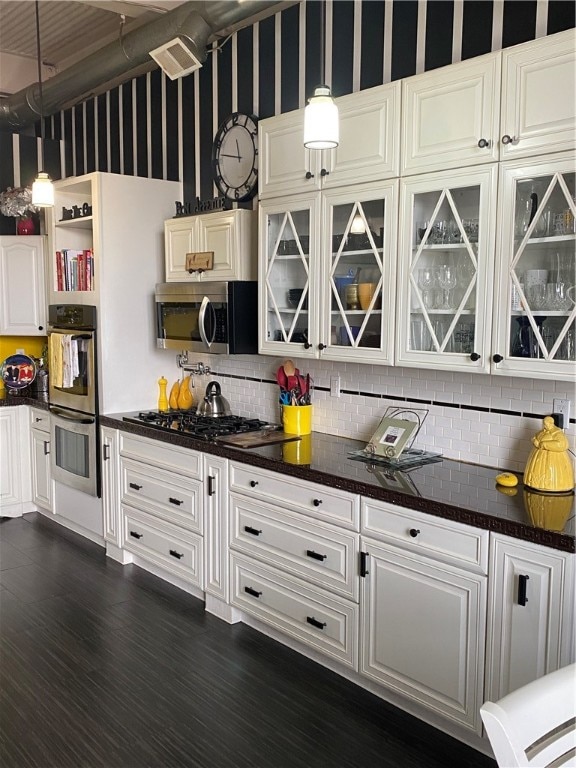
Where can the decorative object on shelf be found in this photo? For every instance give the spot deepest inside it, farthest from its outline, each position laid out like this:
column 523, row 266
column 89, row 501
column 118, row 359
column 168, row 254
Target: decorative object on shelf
column 549, row 467
column 17, row 202
column 18, row 372
column 42, row 189
column 26, row 226
column 185, row 398
column 162, row 397
column 235, row 157
column 200, row 206
column 202, row 261
column 321, row 127
column 76, row 212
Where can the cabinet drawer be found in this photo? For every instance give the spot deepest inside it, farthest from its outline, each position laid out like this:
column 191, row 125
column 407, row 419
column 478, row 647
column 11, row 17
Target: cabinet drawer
column 455, row 543
column 318, row 553
column 40, row 420
column 161, row 543
column 173, row 498
column 319, row 501
column 324, row 622
column 158, row 454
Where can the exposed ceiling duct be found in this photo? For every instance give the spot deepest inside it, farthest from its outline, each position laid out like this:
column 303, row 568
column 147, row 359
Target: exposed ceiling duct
column 193, row 23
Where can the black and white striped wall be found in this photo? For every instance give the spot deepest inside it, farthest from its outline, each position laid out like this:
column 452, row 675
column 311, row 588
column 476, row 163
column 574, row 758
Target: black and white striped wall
column 154, row 127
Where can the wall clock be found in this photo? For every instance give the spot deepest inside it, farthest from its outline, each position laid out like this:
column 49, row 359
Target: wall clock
column 235, row 157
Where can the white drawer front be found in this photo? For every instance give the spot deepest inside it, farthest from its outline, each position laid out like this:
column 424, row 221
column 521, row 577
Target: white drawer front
column 319, row 501
column 178, row 551
column 40, row 420
column 159, row 454
column 323, row 622
column 156, row 492
column 450, row 542
column 317, row 553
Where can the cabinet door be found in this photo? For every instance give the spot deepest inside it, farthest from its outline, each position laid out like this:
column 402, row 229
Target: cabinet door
column 423, row 631
column 42, row 483
column 180, row 238
column 450, row 116
column 228, row 234
column 216, row 536
column 15, row 470
column 539, row 97
column 357, row 273
column 445, row 269
column 535, row 331
column 22, row 286
column 111, row 485
column 288, row 255
column 530, row 614
column 286, row 166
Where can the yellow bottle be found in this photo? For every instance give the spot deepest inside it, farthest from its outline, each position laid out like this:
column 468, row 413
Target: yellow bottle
column 162, row 399
column 185, row 399
column 173, row 399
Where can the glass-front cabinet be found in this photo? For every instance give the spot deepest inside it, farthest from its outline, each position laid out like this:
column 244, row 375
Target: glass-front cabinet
column 328, row 271
column 535, row 331
column 446, row 262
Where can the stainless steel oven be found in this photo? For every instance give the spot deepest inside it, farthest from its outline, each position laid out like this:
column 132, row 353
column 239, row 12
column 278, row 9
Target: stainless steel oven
column 72, row 357
column 74, row 449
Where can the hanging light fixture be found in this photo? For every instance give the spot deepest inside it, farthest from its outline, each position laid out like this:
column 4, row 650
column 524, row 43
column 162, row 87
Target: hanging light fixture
column 321, row 129
column 42, row 189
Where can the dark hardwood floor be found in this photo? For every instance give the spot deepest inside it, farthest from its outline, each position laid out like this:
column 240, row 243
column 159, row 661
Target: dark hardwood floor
column 104, row 666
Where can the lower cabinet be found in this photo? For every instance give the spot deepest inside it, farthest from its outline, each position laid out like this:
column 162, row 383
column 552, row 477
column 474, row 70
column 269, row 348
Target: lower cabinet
column 15, row 469
column 42, row 483
column 530, row 615
column 109, row 443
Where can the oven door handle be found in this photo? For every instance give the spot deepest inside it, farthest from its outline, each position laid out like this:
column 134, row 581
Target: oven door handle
column 68, row 417
column 206, row 303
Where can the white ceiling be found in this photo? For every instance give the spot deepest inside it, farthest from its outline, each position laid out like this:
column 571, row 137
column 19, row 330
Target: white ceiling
column 70, row 30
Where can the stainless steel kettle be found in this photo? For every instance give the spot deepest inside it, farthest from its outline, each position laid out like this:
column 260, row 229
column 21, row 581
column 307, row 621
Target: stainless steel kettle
column 214, row 403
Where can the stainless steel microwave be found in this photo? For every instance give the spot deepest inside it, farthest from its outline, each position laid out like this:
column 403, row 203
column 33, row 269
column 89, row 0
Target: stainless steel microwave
column 220, row 318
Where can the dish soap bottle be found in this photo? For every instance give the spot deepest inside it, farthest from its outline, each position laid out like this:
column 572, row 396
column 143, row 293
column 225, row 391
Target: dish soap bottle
column 162, row 399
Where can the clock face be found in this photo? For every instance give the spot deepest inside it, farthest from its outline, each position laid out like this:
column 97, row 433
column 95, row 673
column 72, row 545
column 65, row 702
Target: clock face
column 235, row 157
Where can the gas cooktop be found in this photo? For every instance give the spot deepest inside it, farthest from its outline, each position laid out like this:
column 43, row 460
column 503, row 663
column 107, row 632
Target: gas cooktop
column 202, row 427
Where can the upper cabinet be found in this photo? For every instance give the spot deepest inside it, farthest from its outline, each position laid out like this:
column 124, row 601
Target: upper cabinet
column 517, row 103
column 22, row 286
column 229, row 235
column 368, row 149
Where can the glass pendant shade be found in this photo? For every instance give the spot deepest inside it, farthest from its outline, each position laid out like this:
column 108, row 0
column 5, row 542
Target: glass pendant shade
column 321, row 128
column 43, row 191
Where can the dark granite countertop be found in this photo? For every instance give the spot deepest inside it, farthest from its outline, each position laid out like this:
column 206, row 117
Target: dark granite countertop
column 38, row 401
column 466, row 493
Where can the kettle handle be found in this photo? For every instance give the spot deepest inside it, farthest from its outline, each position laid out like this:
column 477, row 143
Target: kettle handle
column 213, row 388
column 534, row 208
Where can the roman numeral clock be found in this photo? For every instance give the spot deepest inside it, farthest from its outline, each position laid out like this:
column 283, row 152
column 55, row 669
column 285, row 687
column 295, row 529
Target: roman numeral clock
column 235, row 157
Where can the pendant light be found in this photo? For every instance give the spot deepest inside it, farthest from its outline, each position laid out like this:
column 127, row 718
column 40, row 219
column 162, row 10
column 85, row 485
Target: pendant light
column 321, row 129
column 42, row 189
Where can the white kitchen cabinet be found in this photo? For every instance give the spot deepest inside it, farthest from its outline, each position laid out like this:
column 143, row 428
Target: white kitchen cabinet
column 22, row 285
column 327, row 273
column 109, row 442
column 230, row 235
column 368, row 149
column 111, row 226
column 423, row 609
column 15, row 468
column 445, row 269
column 42, row 482
column 530, row 614
column 450, row 116
column 538, row 113
column 535, row 318
column 216, row 533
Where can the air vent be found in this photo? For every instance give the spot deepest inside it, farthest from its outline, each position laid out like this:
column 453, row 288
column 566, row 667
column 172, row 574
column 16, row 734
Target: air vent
column 178, row 57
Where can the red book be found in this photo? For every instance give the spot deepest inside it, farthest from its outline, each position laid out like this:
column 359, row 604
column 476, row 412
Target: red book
column 81, row 271
column 89, row 269
column 59, row 278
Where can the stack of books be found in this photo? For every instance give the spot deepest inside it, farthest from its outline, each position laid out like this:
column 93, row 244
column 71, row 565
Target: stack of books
column 74, row 270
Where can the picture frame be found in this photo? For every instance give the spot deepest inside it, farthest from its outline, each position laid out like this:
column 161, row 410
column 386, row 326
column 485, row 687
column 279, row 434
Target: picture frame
column 391, row 437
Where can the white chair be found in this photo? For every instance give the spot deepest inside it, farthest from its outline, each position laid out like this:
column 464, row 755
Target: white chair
column 535, row 726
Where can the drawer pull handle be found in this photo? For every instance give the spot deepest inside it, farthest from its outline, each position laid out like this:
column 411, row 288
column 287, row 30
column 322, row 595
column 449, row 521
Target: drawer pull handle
column 252, row 592
column 46, row 448
column 315, row 555
column 414, row 532
column 105, row 452
column 364, row 564
column 253, row 531
column 522, row 585
column 253, row 483
column 211, row 479
column 315, row 622
column 178, row 555
column 178, row 502
column 317, row 502
column 135, row 486
column 136, row 535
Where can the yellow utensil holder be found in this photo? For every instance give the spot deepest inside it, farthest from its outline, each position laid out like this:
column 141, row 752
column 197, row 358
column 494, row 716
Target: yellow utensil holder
column 298, row 451
column 297, row 419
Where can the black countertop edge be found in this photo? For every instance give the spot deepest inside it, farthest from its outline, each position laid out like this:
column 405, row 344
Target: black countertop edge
column 37, row 401
column 512, row 528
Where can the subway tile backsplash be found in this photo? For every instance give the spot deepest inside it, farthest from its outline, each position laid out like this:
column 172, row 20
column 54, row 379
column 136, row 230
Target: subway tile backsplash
column 480, row 419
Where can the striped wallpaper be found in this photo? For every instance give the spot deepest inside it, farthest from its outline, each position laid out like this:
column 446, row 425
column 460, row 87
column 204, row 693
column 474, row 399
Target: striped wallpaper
column 152, row 126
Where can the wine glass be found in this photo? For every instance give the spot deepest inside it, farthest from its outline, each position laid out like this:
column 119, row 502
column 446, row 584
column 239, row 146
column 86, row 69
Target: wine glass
column 427, row 282
column 447, row 281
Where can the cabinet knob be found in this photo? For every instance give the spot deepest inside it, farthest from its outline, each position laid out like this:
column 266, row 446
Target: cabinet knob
column 307, row 345
column 484, row 143
column 317, row 502
column 506, row 139
column 497, row 358
column 253, row 483
column 309, row 175
column 414, row 532
column 321, row 346
column 40, row 327
column 474, row 357
column 324, row 172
